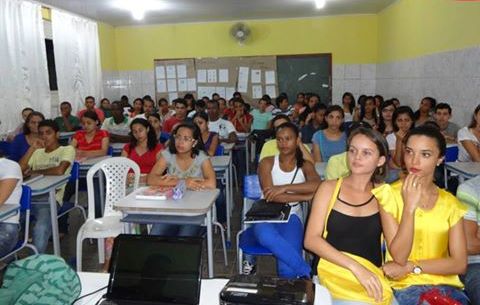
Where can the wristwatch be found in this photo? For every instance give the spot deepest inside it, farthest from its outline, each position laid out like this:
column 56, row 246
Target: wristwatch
column 417, row 269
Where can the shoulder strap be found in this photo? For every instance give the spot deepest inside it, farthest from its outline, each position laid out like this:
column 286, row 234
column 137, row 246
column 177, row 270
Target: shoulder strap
column 333, row 199
column 294, row 175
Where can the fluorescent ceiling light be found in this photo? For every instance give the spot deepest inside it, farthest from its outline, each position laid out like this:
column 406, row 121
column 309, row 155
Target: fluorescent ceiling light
column 320, row 4
column 138, row 8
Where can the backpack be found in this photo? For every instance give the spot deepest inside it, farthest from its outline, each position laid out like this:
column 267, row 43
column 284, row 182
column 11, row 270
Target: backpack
column 41, row 280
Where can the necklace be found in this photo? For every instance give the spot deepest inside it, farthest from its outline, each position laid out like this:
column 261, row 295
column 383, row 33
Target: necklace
column 354, row 205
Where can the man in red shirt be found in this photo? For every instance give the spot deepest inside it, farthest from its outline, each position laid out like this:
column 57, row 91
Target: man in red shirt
column 90, row 105
column 180, row 115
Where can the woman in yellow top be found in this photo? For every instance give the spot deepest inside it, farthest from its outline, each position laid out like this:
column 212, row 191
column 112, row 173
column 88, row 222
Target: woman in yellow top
column 423, row 225
column 345, row 230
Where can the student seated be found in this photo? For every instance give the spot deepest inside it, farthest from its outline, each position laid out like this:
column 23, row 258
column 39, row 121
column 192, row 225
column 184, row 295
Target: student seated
column 286, row 178
column 442, row 115
column 105, row 107
column 385, row 125
column 179, row 117
column 143, row 148
column 305, row 115
column 314, row 122
column 118, row 125
column 241, row 119
column 183, row 160
column 424, row 112
column 348, row 105
column 90, row 106
column 200, row 106
column 331, row 140
column 137, row 108
column 209, row 138
column 469, row 140
column 282, row 106
column 345, row 228
column 66, row 121
column 19, row 129
column 422, row 225
column 47, row 158
column 403, row 120
column 148, row 108
column 90, row 142
column 270, row 147
column 10, row 193
column 164, row 111
column 28, row 137
column 261, row 117
column 469, row 194
column 225, row 129
column 368, row 111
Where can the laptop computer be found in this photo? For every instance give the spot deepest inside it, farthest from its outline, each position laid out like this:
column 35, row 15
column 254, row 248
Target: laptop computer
column 148, row 269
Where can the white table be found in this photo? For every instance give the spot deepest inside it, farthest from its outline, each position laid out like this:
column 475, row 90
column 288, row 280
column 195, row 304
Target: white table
column 222, row 164
column 209, row 290
column 196, row 203
column 8, row 210
column 66, row 135
column 464, row 170
column 48, row 185
column 117, row 148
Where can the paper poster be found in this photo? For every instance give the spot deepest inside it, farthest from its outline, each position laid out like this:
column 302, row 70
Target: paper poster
column 220, row 91
column 161, row 85
column 271, row 91
column 171, row 72
column 160, row 72
column 269, row 77
column 229, row 92
column 223, row 75
column 205, row 91
column 243, row 79
column 211, row 75
column 202, row 76
column 172, row 85
column 191, row 84
column 257, row 91
column 172, row 96
column 256, row 76
column 182, row 71
column 182, row 84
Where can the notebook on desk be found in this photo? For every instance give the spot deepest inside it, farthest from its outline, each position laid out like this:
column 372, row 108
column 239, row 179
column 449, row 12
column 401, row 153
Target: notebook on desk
column 147, row 269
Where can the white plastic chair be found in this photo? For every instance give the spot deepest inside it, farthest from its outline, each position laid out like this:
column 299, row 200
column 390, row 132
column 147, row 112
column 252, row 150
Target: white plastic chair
column 116, row 170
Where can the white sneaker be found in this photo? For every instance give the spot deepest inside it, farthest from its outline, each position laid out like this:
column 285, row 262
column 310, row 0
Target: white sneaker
column 248, row 268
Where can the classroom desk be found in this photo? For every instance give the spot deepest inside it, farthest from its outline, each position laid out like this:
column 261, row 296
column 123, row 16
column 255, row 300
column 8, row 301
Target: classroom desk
column 48, row 185
column 193, row 205
column 222, row 164
column 117, row 148
column 464, row 170
column 228, row 147
column 244, row 142
column 8, row 210
column 66, row 135
column 209, row 290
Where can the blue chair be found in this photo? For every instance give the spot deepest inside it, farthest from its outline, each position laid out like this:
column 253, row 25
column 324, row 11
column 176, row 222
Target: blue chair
column 25, row 205
column 67, row 206
column 451, row 154
column 246, row 241
column 110, row 151
column 5, row 148
column 220, row 151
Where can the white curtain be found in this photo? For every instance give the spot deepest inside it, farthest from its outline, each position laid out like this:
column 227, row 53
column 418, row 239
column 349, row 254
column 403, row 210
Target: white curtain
column 23, row 62
column 77, row 58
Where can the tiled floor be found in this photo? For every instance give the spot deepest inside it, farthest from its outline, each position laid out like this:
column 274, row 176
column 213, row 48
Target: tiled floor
column 265, row 265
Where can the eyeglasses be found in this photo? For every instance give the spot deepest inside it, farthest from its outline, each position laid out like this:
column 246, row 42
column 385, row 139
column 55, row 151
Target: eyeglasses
column 179, row 138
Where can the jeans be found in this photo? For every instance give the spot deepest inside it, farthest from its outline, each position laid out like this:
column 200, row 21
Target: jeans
column 42, row 230
column 8, row 237
column 348, row 302
column 221, row 204
column 285, row 241
column 472, row 283
column 411, row 295
column 166, row 229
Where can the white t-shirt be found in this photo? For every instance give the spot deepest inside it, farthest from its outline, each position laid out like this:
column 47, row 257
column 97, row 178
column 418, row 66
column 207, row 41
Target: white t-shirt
column 465, row 134
column 11, row 170
column 392, row 141
column 469, row 193
column 222, row 127
column 122, row 129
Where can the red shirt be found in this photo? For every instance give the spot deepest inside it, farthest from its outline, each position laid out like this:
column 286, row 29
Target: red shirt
column 145, row 161
column 100, row 114
column 95, row 144
column 170, row 123
column 238, row 127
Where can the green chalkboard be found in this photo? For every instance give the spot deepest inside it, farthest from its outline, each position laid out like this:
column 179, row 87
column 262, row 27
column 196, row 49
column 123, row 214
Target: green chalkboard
column 305, row 73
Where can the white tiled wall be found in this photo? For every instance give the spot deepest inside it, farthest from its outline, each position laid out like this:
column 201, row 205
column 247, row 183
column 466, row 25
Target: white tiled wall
column 355, row 78
column 133, row 83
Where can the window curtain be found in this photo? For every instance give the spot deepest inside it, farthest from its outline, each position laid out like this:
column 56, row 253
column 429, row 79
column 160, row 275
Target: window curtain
column 23, row 62
column 77, row 58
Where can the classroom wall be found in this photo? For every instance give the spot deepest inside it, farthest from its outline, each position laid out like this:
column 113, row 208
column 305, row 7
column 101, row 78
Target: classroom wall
column 430, row 48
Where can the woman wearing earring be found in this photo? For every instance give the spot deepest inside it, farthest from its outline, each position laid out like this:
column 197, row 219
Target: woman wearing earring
column 423, row 225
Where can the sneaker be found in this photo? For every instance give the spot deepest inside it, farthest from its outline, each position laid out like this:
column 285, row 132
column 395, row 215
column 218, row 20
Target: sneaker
column 248, row 268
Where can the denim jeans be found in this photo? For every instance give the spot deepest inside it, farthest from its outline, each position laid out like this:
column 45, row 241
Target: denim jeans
column 285, row 241
column 42, row 229
column 8, row 237
column 472, row 283
column 411, row 295
column 166, row 229
column 347, row 302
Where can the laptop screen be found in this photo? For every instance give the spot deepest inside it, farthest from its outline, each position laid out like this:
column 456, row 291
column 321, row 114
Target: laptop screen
column 156, row 269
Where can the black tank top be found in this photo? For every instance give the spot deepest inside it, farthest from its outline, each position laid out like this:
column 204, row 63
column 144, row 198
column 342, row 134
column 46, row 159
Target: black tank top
column 356, row 235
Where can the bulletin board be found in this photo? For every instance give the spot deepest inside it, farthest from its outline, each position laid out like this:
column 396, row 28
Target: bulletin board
column 174, row 78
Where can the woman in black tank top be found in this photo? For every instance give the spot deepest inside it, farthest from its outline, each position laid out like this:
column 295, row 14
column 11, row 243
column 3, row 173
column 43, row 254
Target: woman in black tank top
column 344, row 228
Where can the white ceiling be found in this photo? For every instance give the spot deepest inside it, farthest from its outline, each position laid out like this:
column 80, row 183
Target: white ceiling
column 179, row 11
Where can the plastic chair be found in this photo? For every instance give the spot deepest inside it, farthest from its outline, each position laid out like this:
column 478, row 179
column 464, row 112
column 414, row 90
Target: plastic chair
column 246, row 241
column 67, row 207
column 451, row 154
column 25, row 204
column 5, row 148
column 116, row 170
column 220, row 151
column 110, row 151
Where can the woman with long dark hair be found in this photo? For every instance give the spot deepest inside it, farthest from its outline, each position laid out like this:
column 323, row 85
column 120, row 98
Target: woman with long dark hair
column 385, row 125
column 28, row 137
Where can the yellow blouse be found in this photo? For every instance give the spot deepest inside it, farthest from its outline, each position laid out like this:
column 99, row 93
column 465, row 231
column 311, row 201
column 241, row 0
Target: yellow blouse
column 430, row 240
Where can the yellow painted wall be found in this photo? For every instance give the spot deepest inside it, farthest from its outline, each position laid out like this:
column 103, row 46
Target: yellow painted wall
column 351, row 39
column 108, row 54
column 411, row 28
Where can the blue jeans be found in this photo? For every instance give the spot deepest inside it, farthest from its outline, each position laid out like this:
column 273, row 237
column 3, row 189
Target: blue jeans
column 8, row 237
column 166, row 229
column 411, row 295
column 42, row 230
column 285, row 241
column 472, row 283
